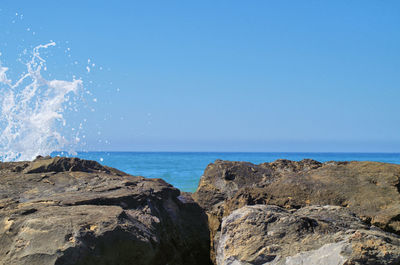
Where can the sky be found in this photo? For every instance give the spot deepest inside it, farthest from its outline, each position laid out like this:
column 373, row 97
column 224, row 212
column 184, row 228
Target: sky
column 291, row 76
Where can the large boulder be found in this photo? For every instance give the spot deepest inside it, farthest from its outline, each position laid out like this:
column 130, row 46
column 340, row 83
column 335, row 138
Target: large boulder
column 71, row 211
column 369, row 189
column 313, row 235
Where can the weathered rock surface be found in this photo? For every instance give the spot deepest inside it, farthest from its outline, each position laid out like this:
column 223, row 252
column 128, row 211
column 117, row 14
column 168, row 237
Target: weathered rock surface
column 71, row 211
column 369, row 189
column 313, row 235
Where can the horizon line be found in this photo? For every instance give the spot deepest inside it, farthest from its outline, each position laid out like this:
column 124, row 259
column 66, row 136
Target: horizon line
column 265, row 152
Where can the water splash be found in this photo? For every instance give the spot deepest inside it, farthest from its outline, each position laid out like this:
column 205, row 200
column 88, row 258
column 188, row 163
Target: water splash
column 32, row 112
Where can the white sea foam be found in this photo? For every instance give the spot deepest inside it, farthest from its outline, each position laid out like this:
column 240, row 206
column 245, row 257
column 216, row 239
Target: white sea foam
column 32, row 112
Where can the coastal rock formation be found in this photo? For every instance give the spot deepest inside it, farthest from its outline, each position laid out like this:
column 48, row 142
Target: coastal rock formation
column 368, row 189
column 71, row 211
column 325, row 235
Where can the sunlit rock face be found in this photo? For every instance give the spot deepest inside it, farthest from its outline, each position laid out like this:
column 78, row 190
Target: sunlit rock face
column 313, row 235
column 73, row 211
column 368, row 189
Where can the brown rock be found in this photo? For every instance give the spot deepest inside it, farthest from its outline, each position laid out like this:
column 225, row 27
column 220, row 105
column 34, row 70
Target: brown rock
column 325, row 235
column 72, row 211
column 62, row 164
column 369, row 189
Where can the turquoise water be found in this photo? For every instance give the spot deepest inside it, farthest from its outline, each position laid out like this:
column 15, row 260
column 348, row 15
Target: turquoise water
column 183, row 170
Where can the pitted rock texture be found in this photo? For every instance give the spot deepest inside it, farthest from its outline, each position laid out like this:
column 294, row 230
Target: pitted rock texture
column 313, row 235
column 71, row 211
column 369, row 189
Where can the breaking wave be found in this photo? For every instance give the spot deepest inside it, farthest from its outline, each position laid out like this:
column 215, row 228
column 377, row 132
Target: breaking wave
column 33, row 109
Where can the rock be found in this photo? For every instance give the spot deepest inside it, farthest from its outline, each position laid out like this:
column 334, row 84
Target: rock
column 313, row 235
column 369, row 189
column 61, row 164
column 72, row 211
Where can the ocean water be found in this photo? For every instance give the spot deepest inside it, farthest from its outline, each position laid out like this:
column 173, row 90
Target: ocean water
column 184, row 169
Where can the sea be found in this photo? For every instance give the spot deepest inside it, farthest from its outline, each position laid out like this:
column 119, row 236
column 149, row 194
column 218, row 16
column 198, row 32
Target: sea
column 184, row 169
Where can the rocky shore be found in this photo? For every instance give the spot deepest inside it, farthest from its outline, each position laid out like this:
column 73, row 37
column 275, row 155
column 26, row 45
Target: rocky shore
column 72, row 211
column 322, row 213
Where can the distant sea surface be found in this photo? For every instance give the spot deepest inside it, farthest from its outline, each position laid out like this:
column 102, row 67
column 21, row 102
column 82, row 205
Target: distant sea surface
column 183, row 170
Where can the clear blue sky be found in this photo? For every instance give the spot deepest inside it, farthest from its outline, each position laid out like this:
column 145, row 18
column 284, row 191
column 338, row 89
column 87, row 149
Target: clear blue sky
column 225, row 75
